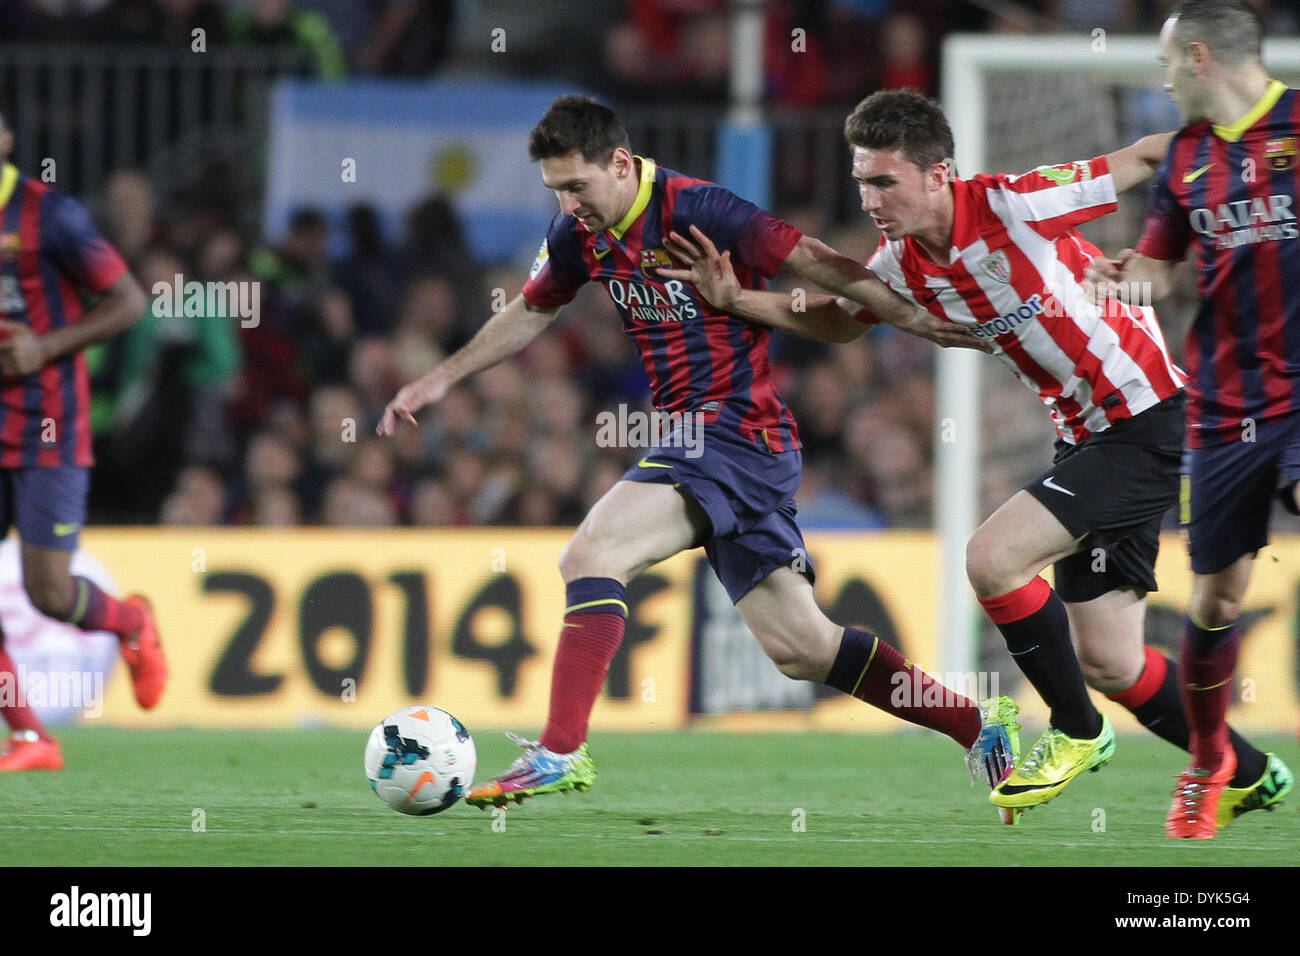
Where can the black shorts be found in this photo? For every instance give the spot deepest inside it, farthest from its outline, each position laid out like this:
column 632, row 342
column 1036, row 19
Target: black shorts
column 1113, row 490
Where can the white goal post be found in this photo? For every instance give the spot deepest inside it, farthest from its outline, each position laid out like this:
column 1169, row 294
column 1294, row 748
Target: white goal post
column 968, row 62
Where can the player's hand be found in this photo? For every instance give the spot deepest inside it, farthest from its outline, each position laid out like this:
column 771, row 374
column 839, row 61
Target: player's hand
column 21, row 351
column 409, row 400
column 1106, row 276
column 941, row 332
column 712, row 274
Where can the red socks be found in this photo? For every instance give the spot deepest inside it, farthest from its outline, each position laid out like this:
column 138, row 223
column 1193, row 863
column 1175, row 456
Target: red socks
column 1209, row 658
column 95, row 610
column 593, row 630
column 874, row 672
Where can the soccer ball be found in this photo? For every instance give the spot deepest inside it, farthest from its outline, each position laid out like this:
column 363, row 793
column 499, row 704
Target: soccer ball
column 420, row 760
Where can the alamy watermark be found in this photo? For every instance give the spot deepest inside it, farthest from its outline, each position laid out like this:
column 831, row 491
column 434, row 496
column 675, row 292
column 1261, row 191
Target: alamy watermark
column 626, row 428
column 83, row 690
column 180, row 299
column 914, row 692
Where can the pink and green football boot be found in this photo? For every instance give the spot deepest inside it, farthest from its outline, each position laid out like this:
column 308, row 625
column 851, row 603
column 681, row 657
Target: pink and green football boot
column 536, row 771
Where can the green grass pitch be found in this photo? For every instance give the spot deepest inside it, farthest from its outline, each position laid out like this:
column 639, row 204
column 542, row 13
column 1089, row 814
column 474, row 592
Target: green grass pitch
column 136, row 798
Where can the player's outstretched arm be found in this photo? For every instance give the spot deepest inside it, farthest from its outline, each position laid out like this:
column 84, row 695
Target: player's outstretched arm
column 713, row 276
column 23, row 352
column 502, row 336
column 1131, row 277
column 1137, row 163
column 818, row 262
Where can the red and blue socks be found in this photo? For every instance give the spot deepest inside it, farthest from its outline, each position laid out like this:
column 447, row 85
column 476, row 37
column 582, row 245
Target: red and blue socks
column 1034, row 624
column 1209, row 657
column 1155, row 699
column 93, row 609
column 595, row 615
column 869, row 669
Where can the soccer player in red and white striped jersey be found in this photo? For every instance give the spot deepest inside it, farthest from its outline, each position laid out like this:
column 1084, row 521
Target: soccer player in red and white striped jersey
column 1013, row 270
column 1000, row 254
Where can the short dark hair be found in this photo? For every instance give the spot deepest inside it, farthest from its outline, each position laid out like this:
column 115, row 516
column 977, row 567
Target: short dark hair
column 901, row 119
column 1232, row 29
column 581, row 123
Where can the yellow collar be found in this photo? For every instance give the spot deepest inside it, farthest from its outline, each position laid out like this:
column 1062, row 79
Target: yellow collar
column 643, row 193
column 1266, row 102
column 8, row 179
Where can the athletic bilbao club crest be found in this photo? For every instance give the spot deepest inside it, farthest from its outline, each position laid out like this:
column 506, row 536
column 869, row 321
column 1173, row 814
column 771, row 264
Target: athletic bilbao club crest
column 1280, row 153
column 998, row 267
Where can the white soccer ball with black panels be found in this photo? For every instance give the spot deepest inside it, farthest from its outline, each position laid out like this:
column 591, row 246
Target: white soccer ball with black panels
column 420, row 760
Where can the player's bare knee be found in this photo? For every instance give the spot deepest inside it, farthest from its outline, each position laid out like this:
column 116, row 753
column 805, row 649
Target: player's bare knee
column 803, row 656
column 794, row 663
column 986, row 567
column 1216, row 610
column 1102, row 672
column 584, row 557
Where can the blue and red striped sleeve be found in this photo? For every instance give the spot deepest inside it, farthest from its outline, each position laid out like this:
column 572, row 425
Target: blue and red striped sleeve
column 76, row 246
column 755, row 237
column 1166, row 233
column 558, row 271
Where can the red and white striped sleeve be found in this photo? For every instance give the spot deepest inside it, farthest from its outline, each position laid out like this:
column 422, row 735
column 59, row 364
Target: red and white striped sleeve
column 1052, row 200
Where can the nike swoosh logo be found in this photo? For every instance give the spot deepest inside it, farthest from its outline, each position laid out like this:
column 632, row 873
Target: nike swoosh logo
column 1193, row 176
column 1027, row 788
column 1210, row 687
column 647, row 463
column 927, row 299
column 63, row 530
column 1049, row 483
column 600, row 255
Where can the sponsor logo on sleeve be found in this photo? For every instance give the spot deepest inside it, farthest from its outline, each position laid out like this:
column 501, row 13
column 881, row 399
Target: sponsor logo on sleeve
column 543, row 254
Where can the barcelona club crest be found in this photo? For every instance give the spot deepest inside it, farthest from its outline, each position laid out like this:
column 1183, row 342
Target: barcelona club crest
column 655, row 259
column 998, row 267
column 1280, row 153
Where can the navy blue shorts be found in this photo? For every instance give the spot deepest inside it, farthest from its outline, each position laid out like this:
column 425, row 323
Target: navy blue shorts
column 1228, row 489
column 47, row 504
column 747, row 493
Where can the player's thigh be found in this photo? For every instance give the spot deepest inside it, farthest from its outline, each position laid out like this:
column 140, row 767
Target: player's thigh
column 792, row 629
column 634, row 525
column 49, row 510
column 1217, row 597
column 1228, row 493
column 1016, row 542
column 1109, row 632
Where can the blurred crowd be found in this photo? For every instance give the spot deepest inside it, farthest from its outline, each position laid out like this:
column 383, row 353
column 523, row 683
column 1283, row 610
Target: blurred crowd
column 647, row 50
column 200, row 420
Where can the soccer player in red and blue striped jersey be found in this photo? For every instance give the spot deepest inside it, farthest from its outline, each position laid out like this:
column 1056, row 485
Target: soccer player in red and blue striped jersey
column 1226, row 192
column 725, row 477
column 51, row 256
